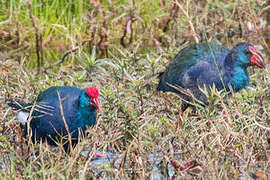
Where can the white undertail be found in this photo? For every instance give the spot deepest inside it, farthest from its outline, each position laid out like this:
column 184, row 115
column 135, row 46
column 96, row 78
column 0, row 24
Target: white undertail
column 22, row 117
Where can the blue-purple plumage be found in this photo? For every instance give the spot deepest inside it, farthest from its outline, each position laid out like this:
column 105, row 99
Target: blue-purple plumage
column 47, row 119
column 208, row 64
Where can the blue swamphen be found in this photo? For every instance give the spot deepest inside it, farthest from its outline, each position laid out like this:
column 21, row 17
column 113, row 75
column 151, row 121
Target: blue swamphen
column 208, row 64
column 54, row 105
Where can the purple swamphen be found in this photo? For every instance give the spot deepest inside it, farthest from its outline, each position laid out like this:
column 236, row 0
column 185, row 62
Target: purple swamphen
column 57, row 109
column 208, row 64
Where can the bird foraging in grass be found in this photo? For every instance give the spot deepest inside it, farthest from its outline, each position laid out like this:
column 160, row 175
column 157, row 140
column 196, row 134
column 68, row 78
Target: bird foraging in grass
column 207, row 64
column 59, row 111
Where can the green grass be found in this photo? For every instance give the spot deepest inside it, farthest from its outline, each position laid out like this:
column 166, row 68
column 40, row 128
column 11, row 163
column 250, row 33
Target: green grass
column 230, row 140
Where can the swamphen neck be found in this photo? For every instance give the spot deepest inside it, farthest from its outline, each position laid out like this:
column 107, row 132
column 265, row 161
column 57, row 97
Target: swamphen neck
column 236, row 62
column 88, row 106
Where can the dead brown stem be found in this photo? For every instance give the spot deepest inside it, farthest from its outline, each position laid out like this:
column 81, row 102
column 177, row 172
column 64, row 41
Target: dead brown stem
column 66, row 126
column 189, row 21
column 65, row 55
column 38, row 39
column 128, row 28
column 256, row 27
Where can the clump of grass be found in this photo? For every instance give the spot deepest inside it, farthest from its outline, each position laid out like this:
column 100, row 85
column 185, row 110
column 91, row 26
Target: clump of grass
column 120, row 48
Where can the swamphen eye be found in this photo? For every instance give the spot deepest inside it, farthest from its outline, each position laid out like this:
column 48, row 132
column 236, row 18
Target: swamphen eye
column 247, row 53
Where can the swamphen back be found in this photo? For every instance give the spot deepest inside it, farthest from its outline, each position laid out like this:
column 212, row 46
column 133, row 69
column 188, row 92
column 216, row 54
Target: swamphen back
column 209, row 64
column 56, row 104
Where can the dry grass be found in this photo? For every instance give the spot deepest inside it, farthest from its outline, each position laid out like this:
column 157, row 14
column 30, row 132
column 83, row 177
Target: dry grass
column 222, row 141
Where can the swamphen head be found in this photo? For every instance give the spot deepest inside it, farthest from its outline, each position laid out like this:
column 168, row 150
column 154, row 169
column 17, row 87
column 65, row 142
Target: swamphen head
column 91, row 96
column 245, row 54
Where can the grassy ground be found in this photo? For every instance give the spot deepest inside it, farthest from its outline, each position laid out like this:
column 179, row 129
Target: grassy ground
column 120, row 46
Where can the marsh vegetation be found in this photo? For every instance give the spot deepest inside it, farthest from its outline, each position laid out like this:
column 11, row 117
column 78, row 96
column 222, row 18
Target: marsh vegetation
column 120, row 47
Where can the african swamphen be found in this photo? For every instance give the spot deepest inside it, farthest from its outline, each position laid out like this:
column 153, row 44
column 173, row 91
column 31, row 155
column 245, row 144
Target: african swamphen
column 47, row 123
column 208, row 64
